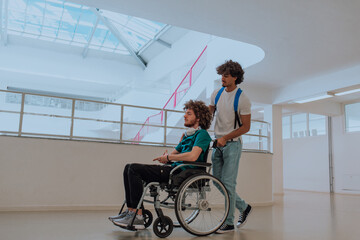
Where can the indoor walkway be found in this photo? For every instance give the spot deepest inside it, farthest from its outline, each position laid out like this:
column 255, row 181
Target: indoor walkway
column 296, row 216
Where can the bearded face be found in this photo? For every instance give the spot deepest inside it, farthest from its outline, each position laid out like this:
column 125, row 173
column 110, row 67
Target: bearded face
column 190, row 119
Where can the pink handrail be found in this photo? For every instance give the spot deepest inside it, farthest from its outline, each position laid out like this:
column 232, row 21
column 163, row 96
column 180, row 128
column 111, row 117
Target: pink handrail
column 189, row 72
column 139, row 136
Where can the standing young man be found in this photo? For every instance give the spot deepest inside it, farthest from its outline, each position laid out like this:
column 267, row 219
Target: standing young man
column 228, row 130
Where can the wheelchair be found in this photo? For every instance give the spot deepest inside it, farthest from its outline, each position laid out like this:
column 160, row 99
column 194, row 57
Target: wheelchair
column 200, row 201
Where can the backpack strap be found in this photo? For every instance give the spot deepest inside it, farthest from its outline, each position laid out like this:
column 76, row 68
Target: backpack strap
column 218, row 96
column 236, row 104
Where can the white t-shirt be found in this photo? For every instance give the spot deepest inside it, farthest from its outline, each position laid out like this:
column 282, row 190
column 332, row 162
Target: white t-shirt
column 225, row 115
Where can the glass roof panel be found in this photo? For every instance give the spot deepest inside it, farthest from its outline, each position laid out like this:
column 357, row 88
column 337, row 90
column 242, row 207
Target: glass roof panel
column 19, row 5
column 32, row 29
column 48, row 33
column 110, row 41
column 72, row 24
column 35, row 7
column 137, row 31
column 99, row 35
column 65, row 35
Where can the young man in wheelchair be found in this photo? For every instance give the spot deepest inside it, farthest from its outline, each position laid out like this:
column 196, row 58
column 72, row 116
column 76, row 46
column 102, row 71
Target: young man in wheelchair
column 192, row 147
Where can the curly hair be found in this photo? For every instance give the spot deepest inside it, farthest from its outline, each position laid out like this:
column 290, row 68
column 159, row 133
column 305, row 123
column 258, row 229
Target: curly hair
column 201, row 111
column 232, row 68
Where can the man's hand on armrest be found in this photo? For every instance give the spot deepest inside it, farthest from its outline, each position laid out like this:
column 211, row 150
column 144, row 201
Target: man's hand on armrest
column 176, row 156
column 188, row 156
column 165, row 157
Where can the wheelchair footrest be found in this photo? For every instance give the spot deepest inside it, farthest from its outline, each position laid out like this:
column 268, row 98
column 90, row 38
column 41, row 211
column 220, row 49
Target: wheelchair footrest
column 130, row 228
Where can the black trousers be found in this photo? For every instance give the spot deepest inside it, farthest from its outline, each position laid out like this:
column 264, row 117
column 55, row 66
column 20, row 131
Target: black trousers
column 135, row 174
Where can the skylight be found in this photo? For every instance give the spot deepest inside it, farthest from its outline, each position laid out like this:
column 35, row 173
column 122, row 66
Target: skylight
column 78, row 25
column 138, row 31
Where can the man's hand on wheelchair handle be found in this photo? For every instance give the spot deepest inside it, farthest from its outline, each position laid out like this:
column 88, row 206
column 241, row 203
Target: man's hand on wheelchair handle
column 220, row 142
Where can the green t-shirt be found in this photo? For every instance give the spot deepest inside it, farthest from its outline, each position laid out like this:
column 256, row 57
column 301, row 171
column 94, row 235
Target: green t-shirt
column 200, row 138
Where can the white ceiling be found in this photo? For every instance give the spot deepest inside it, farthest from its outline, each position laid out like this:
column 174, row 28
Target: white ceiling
column 302, row 40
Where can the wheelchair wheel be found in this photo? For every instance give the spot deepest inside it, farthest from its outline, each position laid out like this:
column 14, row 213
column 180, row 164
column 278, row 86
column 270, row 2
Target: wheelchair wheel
column 148, row 218
column 163, row 229
column 206, row 195
column 188, row 220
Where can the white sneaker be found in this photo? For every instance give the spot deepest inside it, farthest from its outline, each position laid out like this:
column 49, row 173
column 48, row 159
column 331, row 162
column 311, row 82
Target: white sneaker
column 126, row 221
column 121, row 215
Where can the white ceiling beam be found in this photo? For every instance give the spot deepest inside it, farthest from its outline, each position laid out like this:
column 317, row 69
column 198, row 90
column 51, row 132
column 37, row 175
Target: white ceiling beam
column 86, row 49
column 156, row 38
column 162, row 42
column 118, row 35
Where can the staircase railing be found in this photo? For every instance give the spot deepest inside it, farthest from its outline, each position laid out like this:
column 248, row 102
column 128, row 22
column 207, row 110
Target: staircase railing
column 189, row 79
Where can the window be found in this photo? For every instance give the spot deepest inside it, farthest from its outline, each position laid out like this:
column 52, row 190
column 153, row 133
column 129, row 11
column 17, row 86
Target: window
column 299, row 125
column 317, row 125
column 286, row 129
column 303, row 125
column 352, row 117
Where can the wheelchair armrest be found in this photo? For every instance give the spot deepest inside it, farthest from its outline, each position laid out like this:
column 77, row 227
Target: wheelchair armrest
column 200, row 164
column 189, row 163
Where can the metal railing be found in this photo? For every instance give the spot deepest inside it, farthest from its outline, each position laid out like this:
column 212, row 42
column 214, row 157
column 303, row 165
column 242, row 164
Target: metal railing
column 21, row 114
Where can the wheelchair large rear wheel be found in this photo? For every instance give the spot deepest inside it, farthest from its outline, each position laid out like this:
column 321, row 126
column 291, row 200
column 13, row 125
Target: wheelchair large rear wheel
column 206, row 195
column 189, row 219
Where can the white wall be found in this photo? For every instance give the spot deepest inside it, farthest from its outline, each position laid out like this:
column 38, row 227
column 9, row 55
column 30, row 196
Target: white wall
column 306, row 164
column 56, row 174
column 346, row 154
column 306, row 161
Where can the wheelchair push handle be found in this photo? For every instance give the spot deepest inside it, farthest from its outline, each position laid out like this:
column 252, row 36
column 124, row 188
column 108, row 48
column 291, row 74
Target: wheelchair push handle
column 214, row 144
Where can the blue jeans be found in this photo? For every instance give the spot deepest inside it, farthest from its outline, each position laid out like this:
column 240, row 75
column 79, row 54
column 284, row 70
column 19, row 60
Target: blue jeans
column 225, row 167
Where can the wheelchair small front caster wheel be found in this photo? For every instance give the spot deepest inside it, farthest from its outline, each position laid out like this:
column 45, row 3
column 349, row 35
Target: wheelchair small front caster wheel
column 148, row 218
column 164, row 228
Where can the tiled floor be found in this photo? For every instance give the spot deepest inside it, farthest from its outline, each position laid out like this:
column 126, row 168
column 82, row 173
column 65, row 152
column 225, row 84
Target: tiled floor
column 295, row 216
